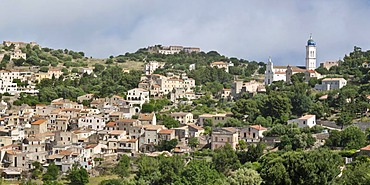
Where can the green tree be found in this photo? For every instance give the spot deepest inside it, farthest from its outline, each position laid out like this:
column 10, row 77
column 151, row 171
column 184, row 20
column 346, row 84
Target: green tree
column 98, row 68
column 345, row 118
column 37, row 170
column 171, row 169
column 313, row 167
column 356, row 173
column 353, row 138
column 52, row 173
column 78, row 175
column 123, row 167
column 44, row 69
column 148, row 170
column 275, row 173
column 193, row 142
column 245, row 176
column 246, row 108
column 253, row 153
column 278, row 106
column 147, row 108
column 200, row 172
column 167, row 145
column 225, row 159
column 168, row 121
column 242, row 144
column 74, row 70
column 112, row 182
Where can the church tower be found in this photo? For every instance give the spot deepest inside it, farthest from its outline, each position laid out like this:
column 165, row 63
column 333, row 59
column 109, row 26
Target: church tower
column 311, row 54
column 269, row 73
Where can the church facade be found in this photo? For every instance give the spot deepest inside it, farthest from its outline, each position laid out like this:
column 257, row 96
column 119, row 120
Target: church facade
column 284, row 73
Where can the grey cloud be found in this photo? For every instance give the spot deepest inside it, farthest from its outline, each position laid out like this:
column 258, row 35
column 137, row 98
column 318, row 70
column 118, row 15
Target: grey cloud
column 251, row 30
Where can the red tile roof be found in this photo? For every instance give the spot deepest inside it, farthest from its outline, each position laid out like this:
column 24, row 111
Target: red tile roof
column 38, row 122
column 366, row 148
column 258, row 127
column 166, row 131
column 111, row 124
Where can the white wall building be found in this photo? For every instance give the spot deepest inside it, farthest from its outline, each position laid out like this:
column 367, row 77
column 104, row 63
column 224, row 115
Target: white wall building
column 304, row 121
column 252, row 132
column 221, row 65
column 17, row 54
column 93, row 122
column 331, row 83
column 138, row 96
column 152, row 66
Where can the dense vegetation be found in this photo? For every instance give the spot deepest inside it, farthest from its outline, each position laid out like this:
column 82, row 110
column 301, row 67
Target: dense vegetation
column 226, row 166
column 104, row 82
column 298, row 160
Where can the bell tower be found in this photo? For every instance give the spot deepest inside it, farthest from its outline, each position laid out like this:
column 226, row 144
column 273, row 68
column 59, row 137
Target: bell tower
column 311, row 54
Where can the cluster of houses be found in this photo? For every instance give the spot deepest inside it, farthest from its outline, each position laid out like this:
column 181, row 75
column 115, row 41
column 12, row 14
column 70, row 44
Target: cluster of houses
column 17, row 52
column 9, row 78
column 180, row 86
column 170, row 50
column 66, row 132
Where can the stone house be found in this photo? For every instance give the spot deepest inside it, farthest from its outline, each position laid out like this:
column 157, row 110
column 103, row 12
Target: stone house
column 224, row 135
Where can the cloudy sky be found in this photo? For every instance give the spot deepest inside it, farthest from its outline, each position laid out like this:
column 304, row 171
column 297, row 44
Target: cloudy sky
column 249, row 29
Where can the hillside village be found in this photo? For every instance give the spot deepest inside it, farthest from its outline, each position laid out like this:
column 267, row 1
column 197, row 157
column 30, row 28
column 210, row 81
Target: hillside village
column 55, row 111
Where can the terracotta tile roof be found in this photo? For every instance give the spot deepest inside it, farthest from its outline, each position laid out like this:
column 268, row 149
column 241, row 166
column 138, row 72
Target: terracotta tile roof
column 258, row 127
column 96, row 101
column 230, row 129
column 219, row 63
column 52, row 156
column 306, row 117
column 166, row 131
column 11, row 152
column 128, row 140
column 126, row 120
column 65, row 152
column 180, row 113
column 38, row 122
column 332, row 79
column 297, row 69
column 111, row 124
column 45, row 134
column 56, row 111
column 366, row 148
column 33, row 139
column 117, row 132
column 206, row 116
column 90, row 146
column 279, row 72
column 153, row 127
column 324, row 97
column 196, row 127
column 139, row 89
column 146, row 117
